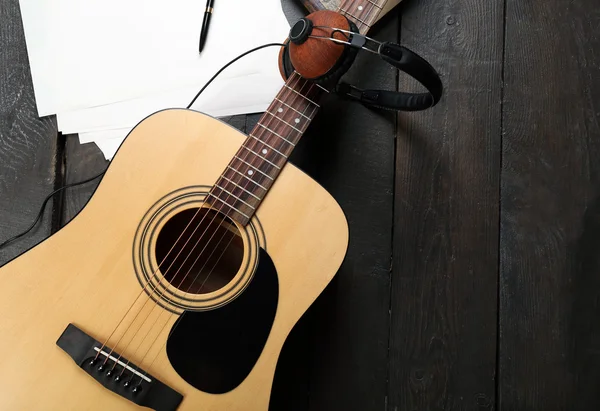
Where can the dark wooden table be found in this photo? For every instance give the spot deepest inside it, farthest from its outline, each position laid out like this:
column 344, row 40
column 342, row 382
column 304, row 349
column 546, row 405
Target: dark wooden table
column 472, row 281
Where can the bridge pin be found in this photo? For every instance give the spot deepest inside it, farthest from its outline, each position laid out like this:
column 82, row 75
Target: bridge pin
column 137, row 389
column 109, row 373
column 118, row 378
column 102, row 367
column 127, row 383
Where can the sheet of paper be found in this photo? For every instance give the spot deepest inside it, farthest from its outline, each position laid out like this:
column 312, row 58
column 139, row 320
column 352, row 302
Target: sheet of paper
column 97, row 52
column 108, row 128
column 245, row 94
column 104, row 135
column 109, row 147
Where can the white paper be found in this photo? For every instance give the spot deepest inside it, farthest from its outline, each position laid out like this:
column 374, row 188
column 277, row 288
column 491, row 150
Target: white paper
column 109, row 147
column 104, row 135
column 245, row 94
column 96, row 52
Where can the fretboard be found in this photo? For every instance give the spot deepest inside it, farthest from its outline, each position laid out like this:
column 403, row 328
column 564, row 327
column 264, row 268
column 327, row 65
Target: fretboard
column 364, row 13
column 245, row 182
column 248, row 177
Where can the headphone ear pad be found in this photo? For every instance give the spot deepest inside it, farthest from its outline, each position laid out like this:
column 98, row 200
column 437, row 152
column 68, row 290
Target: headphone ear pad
column 286, row 68
column 333, row 76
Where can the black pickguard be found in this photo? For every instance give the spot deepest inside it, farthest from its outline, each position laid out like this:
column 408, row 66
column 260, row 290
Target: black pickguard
column 214, row 351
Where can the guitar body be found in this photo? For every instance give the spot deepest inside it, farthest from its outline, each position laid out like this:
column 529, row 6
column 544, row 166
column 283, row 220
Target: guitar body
column 223, row 354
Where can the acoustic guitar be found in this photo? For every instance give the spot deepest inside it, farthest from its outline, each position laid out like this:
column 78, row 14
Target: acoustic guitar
column 176, row 286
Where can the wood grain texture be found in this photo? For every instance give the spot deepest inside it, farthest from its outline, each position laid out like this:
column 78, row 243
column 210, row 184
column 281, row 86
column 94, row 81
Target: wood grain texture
column 82, row 161
column 444, row 287
column 28, row 145
column 550, row 245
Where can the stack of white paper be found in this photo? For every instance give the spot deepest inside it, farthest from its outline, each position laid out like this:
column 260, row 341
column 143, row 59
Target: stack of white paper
column 103, row 65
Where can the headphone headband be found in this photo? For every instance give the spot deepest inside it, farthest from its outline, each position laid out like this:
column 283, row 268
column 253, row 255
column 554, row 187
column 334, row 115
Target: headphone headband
column 394, row 54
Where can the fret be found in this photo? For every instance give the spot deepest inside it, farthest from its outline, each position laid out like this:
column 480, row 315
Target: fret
column 228, row 205
column 266, row 150
column 261, row 157
column 253, row 171
column 283, row 121
column 255, row 168
column 272, row 132
column 322, row 88
column 288, row 106
column 290, row 117
column 233, row 195
column 240, row 187
column 272, row 148
column 302, row 95
column 363, row 16
column 347, row 13
column 375, row 4
column 248, row 178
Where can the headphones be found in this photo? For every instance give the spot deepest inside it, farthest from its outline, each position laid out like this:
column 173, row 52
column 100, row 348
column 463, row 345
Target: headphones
column 323, row 46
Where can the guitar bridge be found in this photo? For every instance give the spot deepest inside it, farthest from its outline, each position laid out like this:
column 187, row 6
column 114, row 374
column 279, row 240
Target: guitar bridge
column 124, row 379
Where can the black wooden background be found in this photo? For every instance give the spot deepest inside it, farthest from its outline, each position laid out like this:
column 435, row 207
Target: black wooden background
column 472, row 281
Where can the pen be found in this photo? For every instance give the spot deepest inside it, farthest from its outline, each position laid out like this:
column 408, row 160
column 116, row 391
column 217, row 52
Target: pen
column 205, row 23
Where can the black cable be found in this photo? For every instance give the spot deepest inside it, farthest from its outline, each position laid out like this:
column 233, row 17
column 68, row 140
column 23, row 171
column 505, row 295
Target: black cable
column 229, row 64
column 41, row 213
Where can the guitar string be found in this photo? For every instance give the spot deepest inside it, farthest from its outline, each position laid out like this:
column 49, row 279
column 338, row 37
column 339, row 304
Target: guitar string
column 362, row 20
column 245, row 157
column 197, row 258
column 315, row 108
column 152, row 277
column 152, row 328
column 205, row 247
column 158, row 268
column 154, row 287
column 192, row 283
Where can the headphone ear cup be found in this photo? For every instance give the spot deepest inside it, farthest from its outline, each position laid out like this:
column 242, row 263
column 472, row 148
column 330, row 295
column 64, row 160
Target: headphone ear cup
column 286, row 68
column 333, row 76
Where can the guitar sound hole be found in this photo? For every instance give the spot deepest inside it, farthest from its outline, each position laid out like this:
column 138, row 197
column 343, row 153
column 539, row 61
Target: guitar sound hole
column 199, row 250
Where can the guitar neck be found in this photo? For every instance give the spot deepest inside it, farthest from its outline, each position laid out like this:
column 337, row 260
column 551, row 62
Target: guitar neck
column 364, row 13
column 256, row 165
column 245, row 182
column 381, row 7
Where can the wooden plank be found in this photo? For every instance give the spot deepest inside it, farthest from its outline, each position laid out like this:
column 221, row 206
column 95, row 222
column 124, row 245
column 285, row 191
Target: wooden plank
column 82, row 162
column 349, row 149
column 444, row 287
column 28, row 145
column 550, row 245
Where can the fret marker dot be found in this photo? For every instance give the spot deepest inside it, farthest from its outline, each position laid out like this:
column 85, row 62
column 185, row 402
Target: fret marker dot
column 297, row 120
column 265, row 151
column 280, row 110
column 250, row 172
column 360, row 8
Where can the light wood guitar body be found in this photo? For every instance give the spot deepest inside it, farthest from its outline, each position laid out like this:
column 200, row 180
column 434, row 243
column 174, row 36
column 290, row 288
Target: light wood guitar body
column 85, row 274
